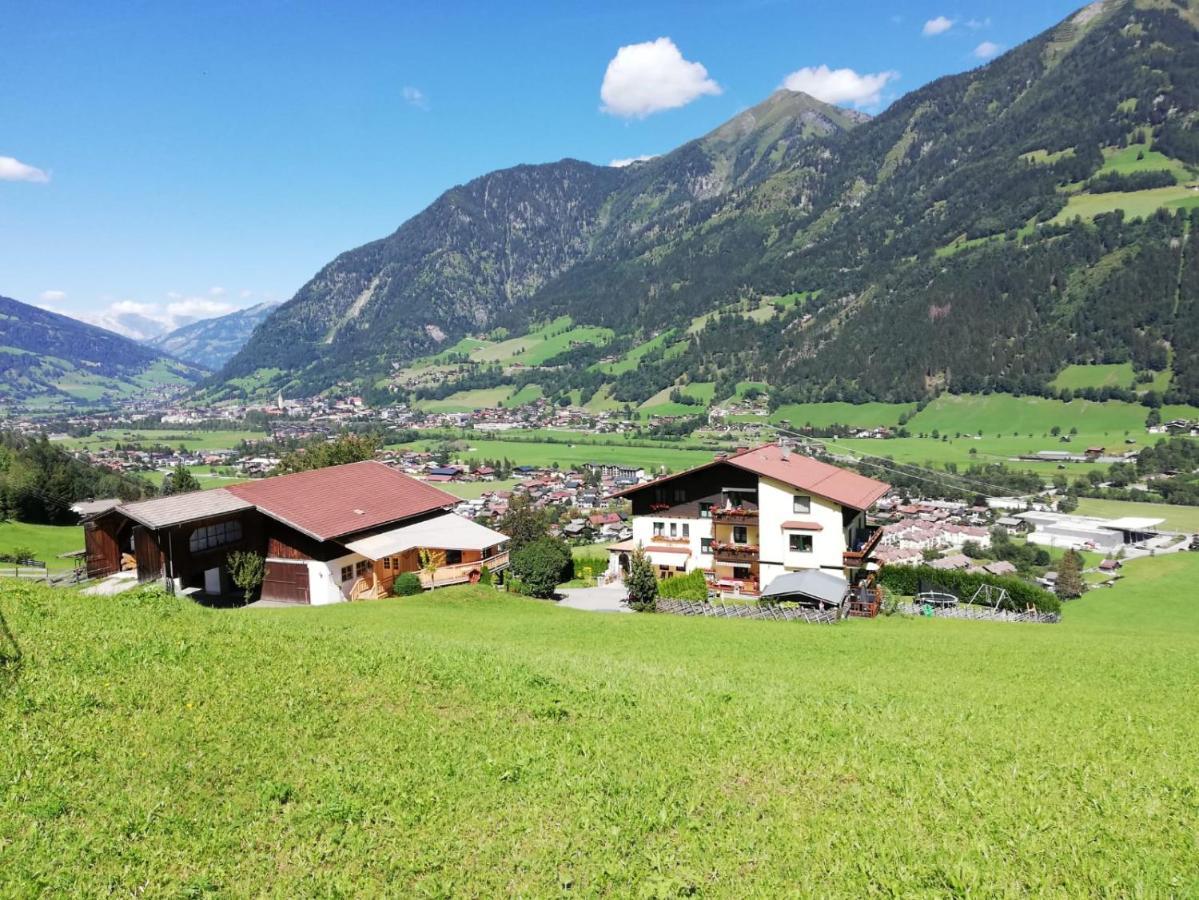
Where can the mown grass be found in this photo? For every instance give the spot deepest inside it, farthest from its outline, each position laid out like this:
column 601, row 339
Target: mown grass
column 48, row 542
column 1178, row 518
column 568, row 455
column 470, row 743
column 173, row 437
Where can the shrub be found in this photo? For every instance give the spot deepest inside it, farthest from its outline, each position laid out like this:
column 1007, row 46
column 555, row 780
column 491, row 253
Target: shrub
column 588, row 566
column 247, row 569
column 18, row 555
column 484, row 575
column 406, row 585
column 1021, row 594
column 692, row 586
column 542, row 565
column 641, row 583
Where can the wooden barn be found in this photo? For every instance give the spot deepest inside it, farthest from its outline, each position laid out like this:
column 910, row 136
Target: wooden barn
column 327, row 535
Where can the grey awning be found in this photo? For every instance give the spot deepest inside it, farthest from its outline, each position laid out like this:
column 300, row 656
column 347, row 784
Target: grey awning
column 812, row 584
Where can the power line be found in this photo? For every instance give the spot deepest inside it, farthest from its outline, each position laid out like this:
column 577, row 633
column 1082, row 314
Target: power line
column 938, row 476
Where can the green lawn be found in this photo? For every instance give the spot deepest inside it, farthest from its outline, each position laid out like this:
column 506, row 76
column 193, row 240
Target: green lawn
column 1178, row 518
column 46, row 541
column 471, row 490
column 468, row 401
column 468, row 743
column 544, row 453
column 854, row 415
column 171, row 437
column 203, row 474
column 1136, row 204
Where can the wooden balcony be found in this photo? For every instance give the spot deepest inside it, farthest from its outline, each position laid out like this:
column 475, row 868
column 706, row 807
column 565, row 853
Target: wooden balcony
column 461, row 573
column 734, row 553
column 865, row 602
column 865, row 545
column 735, row 516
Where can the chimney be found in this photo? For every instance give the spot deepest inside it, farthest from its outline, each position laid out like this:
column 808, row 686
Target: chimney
column 785, row 448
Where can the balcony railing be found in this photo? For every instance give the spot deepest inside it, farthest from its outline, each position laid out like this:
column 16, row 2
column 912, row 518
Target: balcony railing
column 664, row 539
column 735, row 516
column 734, row 552
column 460, row 573
column 862, row 546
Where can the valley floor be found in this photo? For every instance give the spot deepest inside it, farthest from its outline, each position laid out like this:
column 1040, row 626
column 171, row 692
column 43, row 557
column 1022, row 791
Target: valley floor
column 472, row 743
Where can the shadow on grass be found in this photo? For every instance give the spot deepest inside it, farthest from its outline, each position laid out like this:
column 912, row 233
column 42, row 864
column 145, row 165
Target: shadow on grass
column 10, row 654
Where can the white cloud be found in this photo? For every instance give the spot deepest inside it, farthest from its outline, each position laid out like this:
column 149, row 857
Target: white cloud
column 217, row 291
column 15, row 170
column 839, row 85
column 142, row 321
column 628, row 161
column 642, row 79
column 936, row 26
column 414, row 96
column 52, row 296
column 986, row 49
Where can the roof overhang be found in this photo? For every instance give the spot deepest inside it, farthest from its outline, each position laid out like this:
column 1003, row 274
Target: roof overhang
column 445, row 532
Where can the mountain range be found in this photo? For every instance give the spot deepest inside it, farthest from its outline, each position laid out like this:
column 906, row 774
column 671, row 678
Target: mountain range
column 50, row 360
column 983, row 232
column 210, row 343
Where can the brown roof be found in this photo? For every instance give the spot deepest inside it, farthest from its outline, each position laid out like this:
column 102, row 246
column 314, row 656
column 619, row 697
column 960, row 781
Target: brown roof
column 802, row 526
column 799, row 471
column 176, row 509
column 340, row 500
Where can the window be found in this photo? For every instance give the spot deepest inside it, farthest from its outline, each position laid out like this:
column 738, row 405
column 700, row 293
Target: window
column 680, row 495
column 801, row 504
column 659, row 495
column 740, row 534
column 387, row 562
column 362, row 567
column 453, row 557
column 206, row 537
column 800, row 543
column 705, row 545
column 705, row 509
column 686, row 530
column 347, row 573
column 674, row 529
column 659, row 529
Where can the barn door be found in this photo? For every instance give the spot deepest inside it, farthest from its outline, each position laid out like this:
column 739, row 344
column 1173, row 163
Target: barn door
column 286, row 582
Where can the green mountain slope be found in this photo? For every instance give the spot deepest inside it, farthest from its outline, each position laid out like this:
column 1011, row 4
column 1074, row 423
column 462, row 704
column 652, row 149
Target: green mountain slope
column 985, row 231
column 212, row 342
column 50, row 360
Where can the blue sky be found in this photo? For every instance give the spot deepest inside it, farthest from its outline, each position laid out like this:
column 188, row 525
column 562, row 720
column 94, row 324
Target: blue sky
column 179, row 159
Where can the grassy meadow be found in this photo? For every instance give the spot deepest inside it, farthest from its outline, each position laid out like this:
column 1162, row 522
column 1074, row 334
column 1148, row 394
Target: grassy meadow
column 170, row 437
column 47, row 542
column 468, row 743
column 569, row 455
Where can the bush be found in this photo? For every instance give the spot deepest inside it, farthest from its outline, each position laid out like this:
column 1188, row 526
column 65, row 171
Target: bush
column 641, row 583
column 406, row 585
column 485, row 575
column 542, row 565
column 692, row 586
column 247, row 569
column 585, row 567
column 1021, row 594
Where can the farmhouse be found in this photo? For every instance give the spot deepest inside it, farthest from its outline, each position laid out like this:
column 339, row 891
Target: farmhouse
column 749, row 517
column 328, row 535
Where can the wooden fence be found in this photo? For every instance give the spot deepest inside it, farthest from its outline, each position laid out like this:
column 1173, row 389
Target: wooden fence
column 718, row 609
column 981, row 613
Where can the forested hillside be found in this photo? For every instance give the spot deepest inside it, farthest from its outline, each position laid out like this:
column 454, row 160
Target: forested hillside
column 982, row 233
column 53, row 360
column 39, row 482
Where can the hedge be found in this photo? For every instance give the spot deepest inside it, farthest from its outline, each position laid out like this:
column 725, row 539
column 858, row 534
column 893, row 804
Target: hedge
column 1021, row 594
column 691, row 586
column 407, row 585
column 598, row 565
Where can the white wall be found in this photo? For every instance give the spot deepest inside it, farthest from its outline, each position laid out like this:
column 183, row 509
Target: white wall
column 324, row 579
column 776, row 506
column 643, row 535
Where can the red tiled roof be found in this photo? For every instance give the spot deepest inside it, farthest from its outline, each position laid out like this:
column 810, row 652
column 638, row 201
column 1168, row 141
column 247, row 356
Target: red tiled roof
column 803, row 472
column 341, row 500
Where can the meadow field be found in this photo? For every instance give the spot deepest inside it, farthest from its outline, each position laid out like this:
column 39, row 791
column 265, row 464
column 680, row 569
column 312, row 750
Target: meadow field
column 174, row 437
column 470, row 743
column 48, row 542
column 569, row 455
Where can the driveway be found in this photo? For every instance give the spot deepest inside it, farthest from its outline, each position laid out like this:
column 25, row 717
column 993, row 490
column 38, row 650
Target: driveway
column 606, row 598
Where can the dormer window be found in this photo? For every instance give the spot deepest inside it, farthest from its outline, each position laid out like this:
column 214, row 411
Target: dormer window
column 801, row 503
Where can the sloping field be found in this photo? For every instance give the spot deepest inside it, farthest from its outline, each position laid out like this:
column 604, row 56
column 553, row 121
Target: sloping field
column 467, row 743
